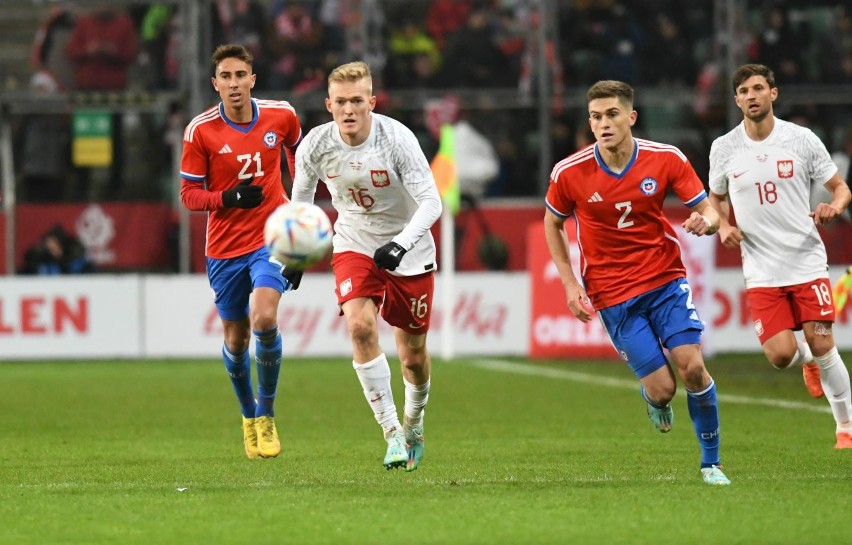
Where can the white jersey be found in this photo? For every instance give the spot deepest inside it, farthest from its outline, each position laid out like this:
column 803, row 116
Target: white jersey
column 769, row 186
column 382, row 190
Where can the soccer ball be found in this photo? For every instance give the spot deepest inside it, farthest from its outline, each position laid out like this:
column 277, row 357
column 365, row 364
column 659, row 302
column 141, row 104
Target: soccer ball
column 298, row 234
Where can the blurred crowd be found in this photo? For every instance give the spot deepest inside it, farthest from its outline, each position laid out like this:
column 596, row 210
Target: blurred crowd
column 434, row 45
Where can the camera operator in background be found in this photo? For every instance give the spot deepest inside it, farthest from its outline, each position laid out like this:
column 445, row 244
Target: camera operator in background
column 57, row 252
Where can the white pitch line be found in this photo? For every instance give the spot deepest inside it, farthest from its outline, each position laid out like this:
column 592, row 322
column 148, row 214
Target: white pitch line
column 576, row 376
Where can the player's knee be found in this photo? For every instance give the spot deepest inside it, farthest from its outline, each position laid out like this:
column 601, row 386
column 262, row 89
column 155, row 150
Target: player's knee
column 237, row 343
column 263, row 317
column 780, row 359
column 414, row 359
column 660, row 393
column 362, row 330
column 695, row 376
column 821, row 341
column 237, row 335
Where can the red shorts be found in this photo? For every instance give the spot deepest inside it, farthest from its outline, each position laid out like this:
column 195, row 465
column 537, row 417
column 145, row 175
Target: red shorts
column 775, row 309
column 405, row 301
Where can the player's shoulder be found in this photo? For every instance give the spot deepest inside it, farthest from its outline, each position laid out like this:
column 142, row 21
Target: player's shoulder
column 318, row 139
column 732, row 138
column 274, row 105
column 581, row 157
column 200, row 121
column 393, row 136
column 788, row 129
column 664, row 150
column 391, row 127
column 797, row 138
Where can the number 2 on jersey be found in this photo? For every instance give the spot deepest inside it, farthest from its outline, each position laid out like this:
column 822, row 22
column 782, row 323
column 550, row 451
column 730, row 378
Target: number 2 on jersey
column 626, row 207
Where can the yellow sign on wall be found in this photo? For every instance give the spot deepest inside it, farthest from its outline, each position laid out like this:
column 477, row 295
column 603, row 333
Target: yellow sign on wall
column 92, row 144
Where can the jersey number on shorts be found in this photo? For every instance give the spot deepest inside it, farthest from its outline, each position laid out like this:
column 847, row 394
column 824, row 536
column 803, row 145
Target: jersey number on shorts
column 689, row 304
column 823, row 294
column 419, row 308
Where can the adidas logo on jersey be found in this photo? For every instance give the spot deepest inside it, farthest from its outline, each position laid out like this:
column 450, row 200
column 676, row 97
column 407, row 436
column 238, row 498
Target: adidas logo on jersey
column 225, row 149
column 596, row 198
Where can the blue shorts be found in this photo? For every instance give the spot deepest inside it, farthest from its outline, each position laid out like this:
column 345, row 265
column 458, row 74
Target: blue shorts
column 233, row 280
column 641, row 327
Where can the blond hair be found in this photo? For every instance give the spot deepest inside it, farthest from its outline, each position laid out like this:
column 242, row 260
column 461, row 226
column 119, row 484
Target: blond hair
column 351, row 72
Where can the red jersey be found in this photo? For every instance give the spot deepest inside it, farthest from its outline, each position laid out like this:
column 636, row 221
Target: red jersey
column 627, row 246
column 218, row 154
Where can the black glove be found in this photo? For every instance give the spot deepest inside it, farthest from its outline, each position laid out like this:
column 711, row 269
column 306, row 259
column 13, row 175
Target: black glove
column 293, row 276
column 389, row 256
column 244, row 195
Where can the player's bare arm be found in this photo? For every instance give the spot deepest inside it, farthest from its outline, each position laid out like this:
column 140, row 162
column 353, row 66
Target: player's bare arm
column 704, row 220
column 824, row 213
column 554, row 235
column 729, row 235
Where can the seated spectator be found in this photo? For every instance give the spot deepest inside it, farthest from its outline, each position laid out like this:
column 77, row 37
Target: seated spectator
column 159, row 55
column 102, row 47
column 472, row 58
column 294, row 42
column 48, row 52
column 445, row 17
column 780, row 46
column 667, row 42
column 836, row 49
column 409, row 42
column 58, row 252
column 243, row 22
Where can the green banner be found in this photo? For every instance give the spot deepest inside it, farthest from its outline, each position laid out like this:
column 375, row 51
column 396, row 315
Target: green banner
column 92, row 145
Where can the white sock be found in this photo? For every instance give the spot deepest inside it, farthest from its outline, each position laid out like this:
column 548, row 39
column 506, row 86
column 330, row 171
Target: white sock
column 416, row 397
column 835, row 383
column 375, row 377
column 803, row 355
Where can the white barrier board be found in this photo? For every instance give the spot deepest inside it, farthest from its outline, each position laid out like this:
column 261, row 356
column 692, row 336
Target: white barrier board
column 490, row 317
column 135, row 316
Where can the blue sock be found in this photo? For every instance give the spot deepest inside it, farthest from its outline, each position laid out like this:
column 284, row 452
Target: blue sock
column 704, row 412
column 268, row 355
column 239, row 369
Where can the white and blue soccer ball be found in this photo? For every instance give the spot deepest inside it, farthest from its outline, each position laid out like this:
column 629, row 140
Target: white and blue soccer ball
column 298, row 234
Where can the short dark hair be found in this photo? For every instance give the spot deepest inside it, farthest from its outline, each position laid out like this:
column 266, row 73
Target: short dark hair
column 611, row 89
column 230, row 51
column 748, row 70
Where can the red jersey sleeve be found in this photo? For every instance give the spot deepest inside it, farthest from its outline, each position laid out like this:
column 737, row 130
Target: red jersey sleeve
column 558, row 199
column 685, row 182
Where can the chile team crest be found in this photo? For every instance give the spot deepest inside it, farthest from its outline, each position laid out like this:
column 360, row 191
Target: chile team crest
column 270, row 139
column 785, row 168
column 648, row 186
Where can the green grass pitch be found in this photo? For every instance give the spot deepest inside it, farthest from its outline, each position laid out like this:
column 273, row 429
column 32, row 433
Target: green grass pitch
column 150, row 452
